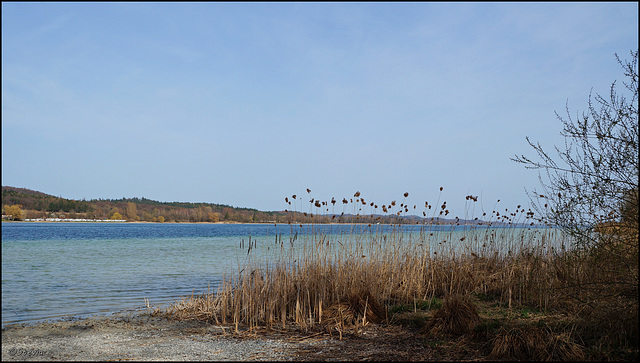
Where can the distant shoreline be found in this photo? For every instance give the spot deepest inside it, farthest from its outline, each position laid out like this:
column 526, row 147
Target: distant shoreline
column 40, row 220
column 102, row 221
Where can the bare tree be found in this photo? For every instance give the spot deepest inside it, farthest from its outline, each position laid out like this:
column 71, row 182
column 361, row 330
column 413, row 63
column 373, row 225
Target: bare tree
column 590, row 190
column 593, row 180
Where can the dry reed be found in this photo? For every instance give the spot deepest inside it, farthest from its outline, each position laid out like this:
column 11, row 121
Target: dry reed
column 343, row 281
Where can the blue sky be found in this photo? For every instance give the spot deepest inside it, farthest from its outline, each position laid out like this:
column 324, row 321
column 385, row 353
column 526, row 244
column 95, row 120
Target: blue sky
column 247, row 103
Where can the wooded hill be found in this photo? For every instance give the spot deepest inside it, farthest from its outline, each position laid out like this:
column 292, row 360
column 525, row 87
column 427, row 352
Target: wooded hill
column 34, row 204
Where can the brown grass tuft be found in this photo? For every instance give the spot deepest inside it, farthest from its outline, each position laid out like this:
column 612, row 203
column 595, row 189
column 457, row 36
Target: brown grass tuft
column 367, row 306
column 534, row 343
column 458, row 315
column 562, row 347
column 518, row 343
column 610, row 322
column 358, row 309
column 340, row 313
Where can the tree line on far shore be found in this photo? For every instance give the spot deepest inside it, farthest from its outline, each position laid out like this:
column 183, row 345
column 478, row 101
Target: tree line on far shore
column 21, row 203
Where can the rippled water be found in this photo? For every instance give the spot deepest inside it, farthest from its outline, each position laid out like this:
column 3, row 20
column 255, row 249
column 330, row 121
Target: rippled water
column 55, row 270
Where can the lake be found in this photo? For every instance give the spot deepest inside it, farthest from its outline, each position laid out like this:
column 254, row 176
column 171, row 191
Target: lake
column 57, row 270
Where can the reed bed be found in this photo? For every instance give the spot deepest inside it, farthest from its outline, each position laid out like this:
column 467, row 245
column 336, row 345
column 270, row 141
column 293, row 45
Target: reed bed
column 341, row 282
column 311, row 274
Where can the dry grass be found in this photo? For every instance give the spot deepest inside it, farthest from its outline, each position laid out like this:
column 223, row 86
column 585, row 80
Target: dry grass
column 534, row 343
column 457, row 316
column 344, row 282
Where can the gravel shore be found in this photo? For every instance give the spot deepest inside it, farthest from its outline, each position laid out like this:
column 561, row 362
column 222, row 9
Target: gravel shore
column 142, row 337
column 135, row 337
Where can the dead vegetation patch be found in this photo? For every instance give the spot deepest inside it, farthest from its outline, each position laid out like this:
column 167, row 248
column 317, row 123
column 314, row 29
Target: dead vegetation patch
column 356, row 310
column 534, row 343
column 458, row 315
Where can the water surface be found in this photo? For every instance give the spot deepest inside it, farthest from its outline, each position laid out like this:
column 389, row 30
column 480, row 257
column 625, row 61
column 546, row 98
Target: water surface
column 56, row 270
